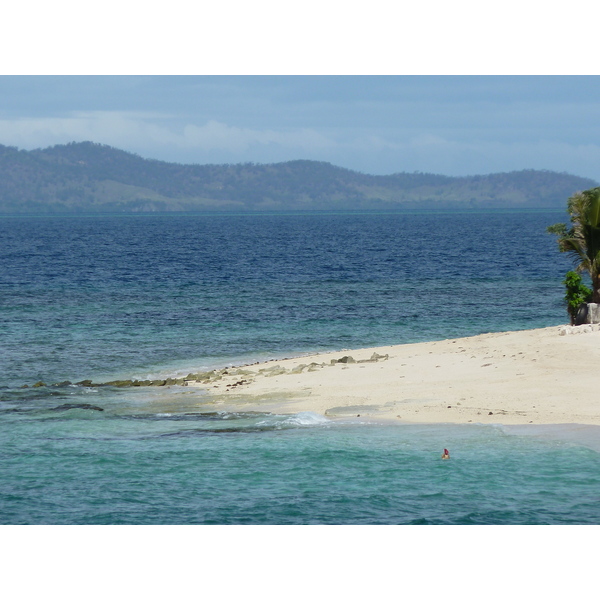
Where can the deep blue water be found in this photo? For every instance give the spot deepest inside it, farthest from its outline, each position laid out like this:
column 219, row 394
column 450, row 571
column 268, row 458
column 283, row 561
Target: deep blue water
column 104, row 298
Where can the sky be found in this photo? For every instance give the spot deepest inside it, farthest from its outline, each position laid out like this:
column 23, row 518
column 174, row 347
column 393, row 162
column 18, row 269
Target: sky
column 455, row 88
column 443, row 124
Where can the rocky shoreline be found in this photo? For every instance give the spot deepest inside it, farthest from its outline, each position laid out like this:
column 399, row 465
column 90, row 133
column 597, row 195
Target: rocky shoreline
column 208, row 377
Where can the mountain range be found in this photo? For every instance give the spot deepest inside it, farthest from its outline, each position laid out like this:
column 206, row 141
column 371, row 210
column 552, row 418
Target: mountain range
column 91, row 178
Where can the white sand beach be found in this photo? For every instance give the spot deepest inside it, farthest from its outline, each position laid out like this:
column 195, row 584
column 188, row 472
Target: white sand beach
column 536, row 376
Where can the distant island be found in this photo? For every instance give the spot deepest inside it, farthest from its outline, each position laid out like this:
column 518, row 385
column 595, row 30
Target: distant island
column 90, row 178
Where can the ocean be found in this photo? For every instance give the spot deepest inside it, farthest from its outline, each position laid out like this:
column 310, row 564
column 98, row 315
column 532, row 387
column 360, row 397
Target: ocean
column 146, row 297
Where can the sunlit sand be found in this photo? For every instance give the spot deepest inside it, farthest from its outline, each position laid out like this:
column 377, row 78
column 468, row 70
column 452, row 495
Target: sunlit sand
column 536, row 376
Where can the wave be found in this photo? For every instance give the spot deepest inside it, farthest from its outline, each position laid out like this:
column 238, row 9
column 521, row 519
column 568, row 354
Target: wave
column 307, row 419
column 246, row 422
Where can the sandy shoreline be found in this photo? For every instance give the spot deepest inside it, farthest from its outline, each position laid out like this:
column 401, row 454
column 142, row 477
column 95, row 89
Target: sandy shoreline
column 535, row 376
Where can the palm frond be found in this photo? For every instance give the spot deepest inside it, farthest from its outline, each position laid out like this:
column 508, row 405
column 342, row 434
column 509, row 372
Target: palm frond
column 594, row 209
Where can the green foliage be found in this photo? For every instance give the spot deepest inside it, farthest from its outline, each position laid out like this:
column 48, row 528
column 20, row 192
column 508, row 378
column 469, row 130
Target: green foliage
column 559, row 229
column 576, row 295
column 594, row 209
column 582, row 239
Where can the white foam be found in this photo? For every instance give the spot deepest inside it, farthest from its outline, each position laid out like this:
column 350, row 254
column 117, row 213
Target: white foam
column 302, row 419
column 308, row 418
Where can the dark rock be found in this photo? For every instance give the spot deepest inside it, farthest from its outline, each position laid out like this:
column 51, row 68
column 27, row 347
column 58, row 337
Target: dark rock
column 39, row 384
column 344, row 360
column 81, row 406
column 85, row 383
column 582, row 315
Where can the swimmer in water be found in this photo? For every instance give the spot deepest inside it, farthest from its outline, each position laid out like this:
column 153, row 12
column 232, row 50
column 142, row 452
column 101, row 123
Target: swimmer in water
column 446, row 454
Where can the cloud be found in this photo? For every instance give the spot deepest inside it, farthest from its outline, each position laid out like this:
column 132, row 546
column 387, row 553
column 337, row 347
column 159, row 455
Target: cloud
column 128, row 130
column 166, row 136
column 438, row 155
column 220, row 136
column 113, row 128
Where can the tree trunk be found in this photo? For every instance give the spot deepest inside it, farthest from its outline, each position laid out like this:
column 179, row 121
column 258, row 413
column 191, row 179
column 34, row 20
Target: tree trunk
column 596, row 289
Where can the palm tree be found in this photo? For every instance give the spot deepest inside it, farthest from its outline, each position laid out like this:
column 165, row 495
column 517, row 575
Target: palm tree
column 582, row 240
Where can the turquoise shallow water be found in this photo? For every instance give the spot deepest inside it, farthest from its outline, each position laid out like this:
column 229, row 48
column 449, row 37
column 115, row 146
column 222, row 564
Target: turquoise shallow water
column 105, row 298
column 91, row 468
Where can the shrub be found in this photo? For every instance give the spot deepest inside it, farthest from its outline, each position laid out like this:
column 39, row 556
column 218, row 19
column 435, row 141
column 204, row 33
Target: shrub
column 576, row 295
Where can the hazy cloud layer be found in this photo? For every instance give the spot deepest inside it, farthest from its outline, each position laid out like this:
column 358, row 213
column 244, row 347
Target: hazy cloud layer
column 449, row 125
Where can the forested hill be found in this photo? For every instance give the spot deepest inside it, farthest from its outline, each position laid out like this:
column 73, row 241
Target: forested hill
column 89, row 178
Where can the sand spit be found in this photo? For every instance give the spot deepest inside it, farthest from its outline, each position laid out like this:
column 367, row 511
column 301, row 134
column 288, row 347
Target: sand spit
column 539, row 376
